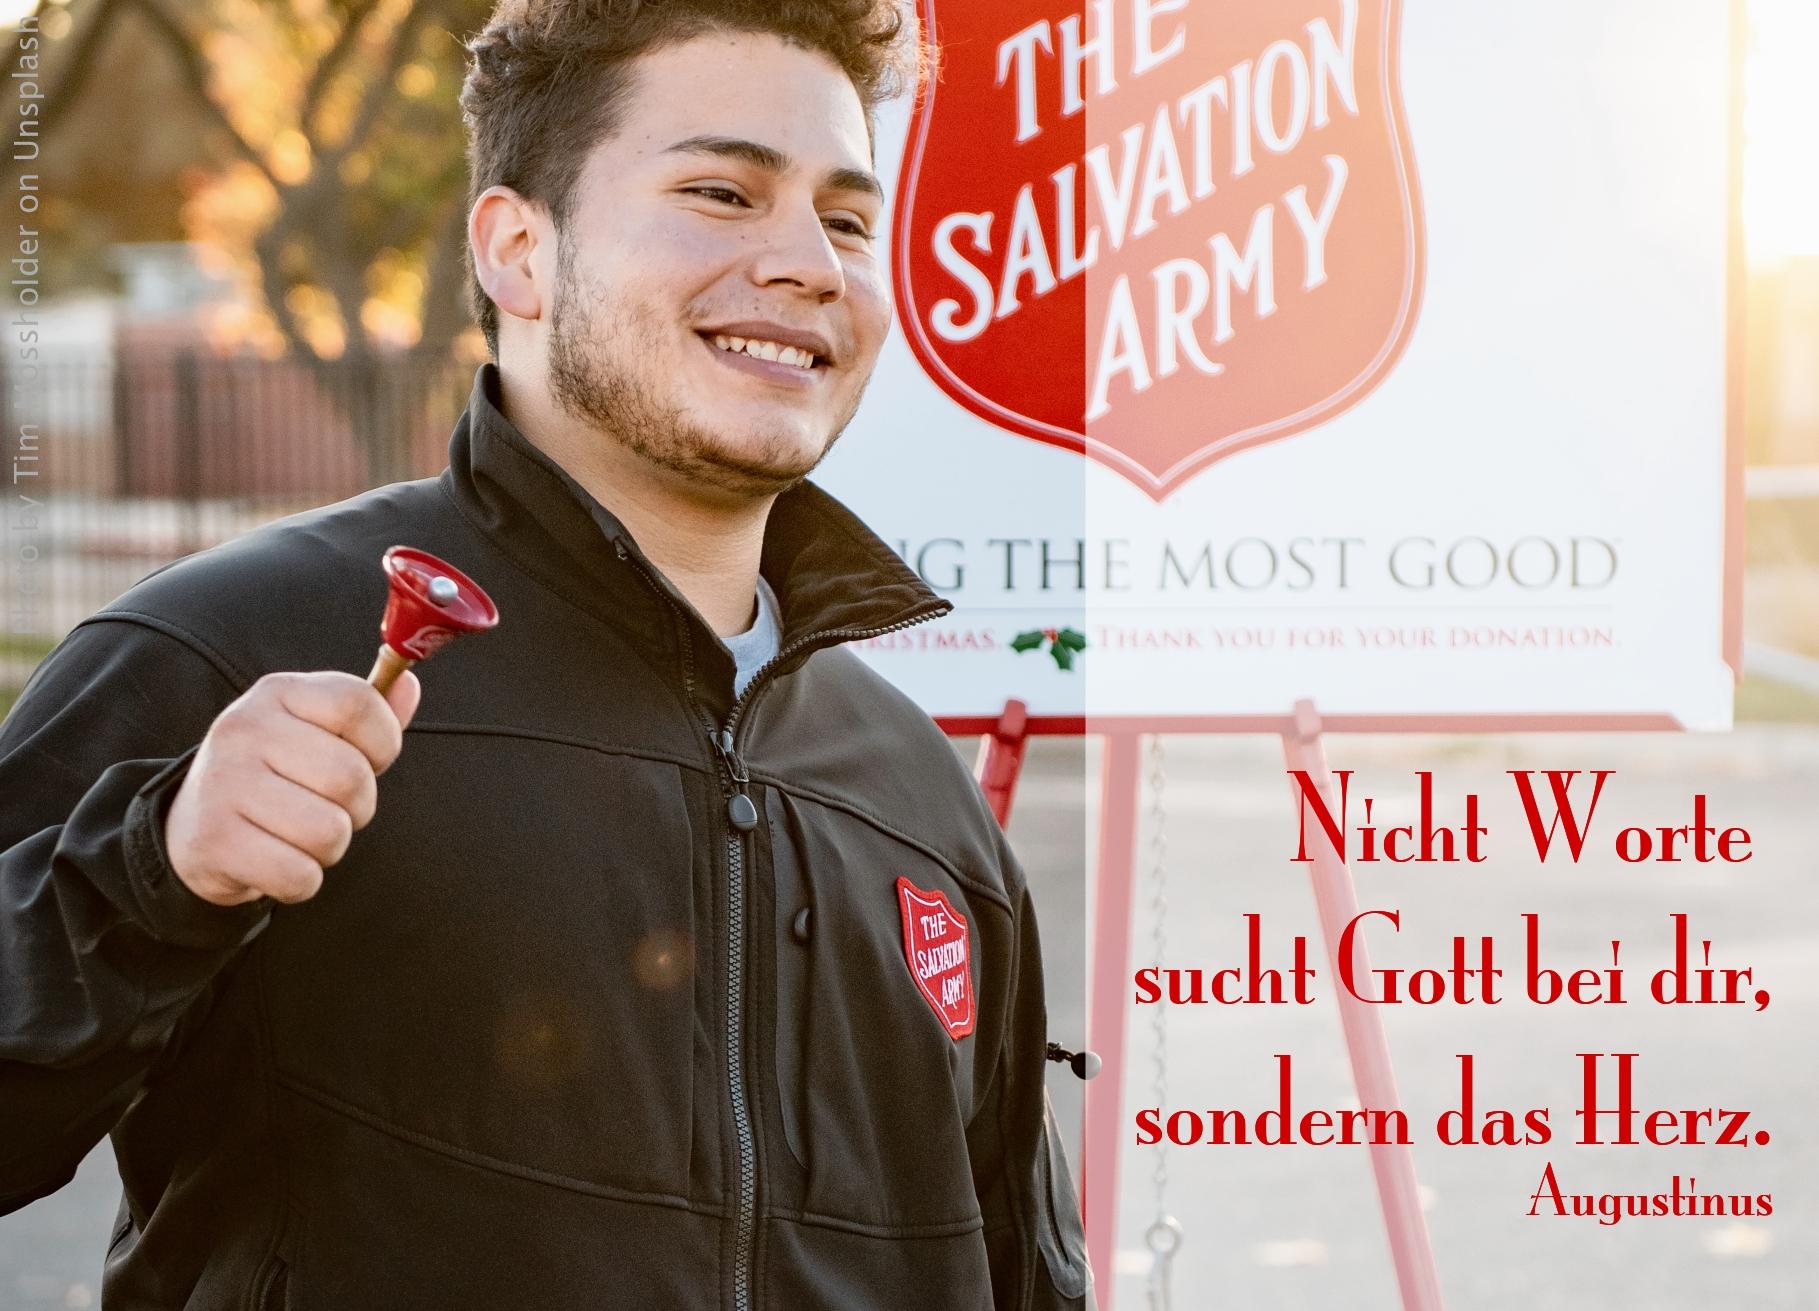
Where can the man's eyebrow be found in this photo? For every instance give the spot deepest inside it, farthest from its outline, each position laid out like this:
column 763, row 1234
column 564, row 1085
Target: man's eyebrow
column 772, row 160
column 856, row 179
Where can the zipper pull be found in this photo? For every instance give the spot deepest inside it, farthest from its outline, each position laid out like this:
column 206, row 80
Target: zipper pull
column 740, row 811
column 735, row 767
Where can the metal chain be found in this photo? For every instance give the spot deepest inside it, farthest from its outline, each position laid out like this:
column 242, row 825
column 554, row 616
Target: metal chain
column 1159, row 943
column 1163, row 1237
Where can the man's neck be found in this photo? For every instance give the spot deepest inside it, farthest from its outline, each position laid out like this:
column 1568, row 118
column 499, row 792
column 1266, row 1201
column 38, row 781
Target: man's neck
column 707, row 547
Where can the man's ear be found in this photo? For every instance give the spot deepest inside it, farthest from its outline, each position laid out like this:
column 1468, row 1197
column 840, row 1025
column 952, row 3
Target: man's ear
column 503, row 232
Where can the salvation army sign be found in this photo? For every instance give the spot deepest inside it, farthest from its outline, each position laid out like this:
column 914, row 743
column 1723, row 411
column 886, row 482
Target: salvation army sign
column 1378, row 352
column 1226, row 251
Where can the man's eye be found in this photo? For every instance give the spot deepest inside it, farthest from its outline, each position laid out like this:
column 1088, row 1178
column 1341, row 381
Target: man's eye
column 852, row 227
column 724, row 195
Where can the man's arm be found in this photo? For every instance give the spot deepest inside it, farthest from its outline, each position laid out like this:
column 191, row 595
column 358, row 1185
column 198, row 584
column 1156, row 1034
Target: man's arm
column 102, row 947
column 1034, row 1239
column 148, row 819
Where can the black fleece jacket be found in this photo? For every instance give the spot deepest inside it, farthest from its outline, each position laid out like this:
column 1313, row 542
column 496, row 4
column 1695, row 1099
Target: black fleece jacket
column 631, row 995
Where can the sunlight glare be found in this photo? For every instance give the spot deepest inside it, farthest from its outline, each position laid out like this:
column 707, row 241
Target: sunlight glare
column 1781, row 119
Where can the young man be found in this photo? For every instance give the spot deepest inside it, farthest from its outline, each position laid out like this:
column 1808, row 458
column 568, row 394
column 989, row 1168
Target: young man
column 611, row 994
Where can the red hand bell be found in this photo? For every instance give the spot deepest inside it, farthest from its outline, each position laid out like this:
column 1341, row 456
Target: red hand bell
column 429, row 604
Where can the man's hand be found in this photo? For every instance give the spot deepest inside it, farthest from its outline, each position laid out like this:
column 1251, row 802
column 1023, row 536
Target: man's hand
column 283, row 780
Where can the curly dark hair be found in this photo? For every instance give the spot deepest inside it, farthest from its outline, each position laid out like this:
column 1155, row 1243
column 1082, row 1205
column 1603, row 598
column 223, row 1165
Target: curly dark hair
column 547, row 80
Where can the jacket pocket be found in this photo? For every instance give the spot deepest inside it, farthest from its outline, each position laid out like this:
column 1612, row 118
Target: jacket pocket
column 854, row 1031
column 1060, row 1236
column 271, row 1286
column 123, row 1225
column 537, row 955
column 795, row 928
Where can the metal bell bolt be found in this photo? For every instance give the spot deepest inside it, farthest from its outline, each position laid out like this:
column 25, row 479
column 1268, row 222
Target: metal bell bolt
column 1084, row 1064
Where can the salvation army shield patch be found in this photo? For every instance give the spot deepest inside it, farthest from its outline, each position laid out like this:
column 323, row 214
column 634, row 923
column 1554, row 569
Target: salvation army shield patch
column 1158, row 234
column 937, row 949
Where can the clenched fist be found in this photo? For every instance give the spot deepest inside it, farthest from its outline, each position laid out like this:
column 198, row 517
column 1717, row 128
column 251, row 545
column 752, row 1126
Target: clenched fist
column 283, row 780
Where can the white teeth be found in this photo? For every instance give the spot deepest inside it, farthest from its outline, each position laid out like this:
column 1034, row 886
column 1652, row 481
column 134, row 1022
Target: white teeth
column 767, row 350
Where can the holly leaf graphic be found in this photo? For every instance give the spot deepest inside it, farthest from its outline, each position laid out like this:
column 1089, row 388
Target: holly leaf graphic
column 1061, row 643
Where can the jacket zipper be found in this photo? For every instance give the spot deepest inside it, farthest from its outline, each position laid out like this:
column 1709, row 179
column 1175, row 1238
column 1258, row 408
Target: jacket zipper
column 742, row 817
column 763, row 671
column 726, row 743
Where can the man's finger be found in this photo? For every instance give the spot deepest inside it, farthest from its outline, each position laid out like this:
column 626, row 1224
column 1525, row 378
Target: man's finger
column 314, row 824
column 404, row 697
column 348, row 707
column 327, row 766
column 269, row 865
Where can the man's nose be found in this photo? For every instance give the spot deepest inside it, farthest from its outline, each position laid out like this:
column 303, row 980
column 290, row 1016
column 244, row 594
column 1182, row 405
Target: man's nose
column 797, row 251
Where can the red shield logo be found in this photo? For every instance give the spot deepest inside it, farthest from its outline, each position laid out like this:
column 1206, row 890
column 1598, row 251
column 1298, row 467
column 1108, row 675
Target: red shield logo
column 426, row 641
column 936, row 946
column 1158, row 233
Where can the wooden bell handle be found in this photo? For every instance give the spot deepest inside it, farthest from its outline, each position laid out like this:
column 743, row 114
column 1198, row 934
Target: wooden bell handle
column 387, row 668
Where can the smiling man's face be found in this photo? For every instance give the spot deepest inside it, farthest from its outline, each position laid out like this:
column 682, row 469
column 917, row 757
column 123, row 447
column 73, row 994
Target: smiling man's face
column 719, row 302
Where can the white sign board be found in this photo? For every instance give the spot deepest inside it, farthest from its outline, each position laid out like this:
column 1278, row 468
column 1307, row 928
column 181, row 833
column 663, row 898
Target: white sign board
column 1363, row 351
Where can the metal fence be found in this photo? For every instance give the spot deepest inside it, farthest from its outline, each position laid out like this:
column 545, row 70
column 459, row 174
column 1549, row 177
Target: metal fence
column 119, row 465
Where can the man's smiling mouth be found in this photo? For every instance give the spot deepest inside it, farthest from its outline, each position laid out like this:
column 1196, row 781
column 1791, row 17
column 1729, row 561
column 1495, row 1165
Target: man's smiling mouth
column 768, row 349
column 760, row 349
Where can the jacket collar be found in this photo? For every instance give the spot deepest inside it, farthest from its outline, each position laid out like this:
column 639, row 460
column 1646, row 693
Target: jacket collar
column 834, row 579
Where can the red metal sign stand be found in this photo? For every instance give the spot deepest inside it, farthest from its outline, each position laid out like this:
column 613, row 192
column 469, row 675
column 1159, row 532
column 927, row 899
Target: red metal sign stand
column 1001, row 758
column 999, row 763
column 1336, row 898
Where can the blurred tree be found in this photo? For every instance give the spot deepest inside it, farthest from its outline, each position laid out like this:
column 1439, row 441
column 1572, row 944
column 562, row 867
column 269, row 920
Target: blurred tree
column 316, row 143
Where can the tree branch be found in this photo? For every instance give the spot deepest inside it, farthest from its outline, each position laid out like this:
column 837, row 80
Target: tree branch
column 269, row 248
column 444, row 312
column 379, row 89
column 195, row 76
column 330, row 63
column 73, row 71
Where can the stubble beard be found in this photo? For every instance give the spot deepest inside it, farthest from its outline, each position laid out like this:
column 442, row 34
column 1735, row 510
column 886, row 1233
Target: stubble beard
column 592, row 335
